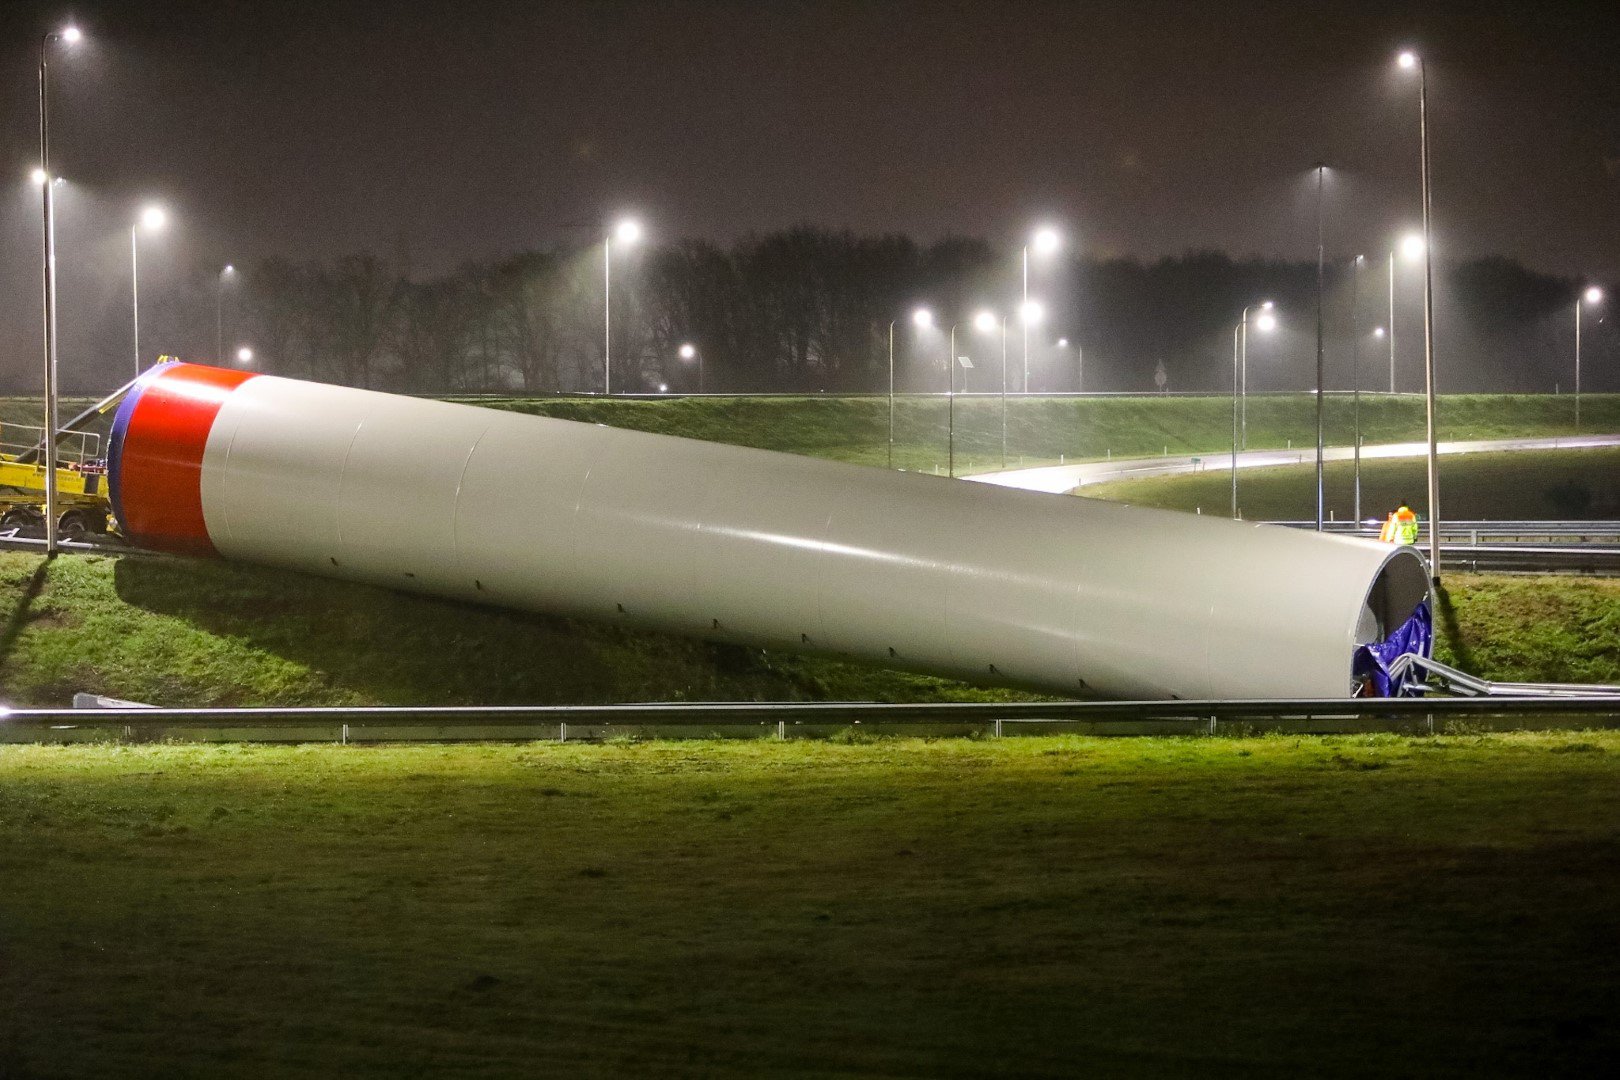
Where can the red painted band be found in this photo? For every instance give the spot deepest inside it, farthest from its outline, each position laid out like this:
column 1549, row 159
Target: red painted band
column 160, row 462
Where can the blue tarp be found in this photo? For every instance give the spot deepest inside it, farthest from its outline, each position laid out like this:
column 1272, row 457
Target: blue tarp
column 1372, row 662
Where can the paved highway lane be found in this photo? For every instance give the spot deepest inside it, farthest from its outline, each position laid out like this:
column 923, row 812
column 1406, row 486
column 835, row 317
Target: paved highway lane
column 1060, row 478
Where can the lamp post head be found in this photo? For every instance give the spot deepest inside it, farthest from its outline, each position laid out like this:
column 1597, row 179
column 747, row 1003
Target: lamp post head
column 1412, row 246
column 37, row 176
column 1408, row 60
column 1031, row 312
column 71, row 35
column 1266, row 323
column 153, row 217
column 985, row 321
column 1378, row 331
column 229, row 269
column 1593, row 295
column 244, row 355
column 1268, row 305
column 1063, row 343
column 1046, row 241
column 627, row 231
column 688, row 350
column 922, row 318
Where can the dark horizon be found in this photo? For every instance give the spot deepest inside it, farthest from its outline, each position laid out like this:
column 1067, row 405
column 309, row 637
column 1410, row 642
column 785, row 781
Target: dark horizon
column 432, row 133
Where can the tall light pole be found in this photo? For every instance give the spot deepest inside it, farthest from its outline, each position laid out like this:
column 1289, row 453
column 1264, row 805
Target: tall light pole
column 950, row 406
column 226, row 275
column 1392, row 321
column 689, row 352
column 1046, row 241
column 152, row 218
column 626, row 232
column 1411, row 249
column 1321, row 367
column 922, row 319
column 986, row 322
column 1240, row 362
column 1268, row 322
column 1593, row 296
column 69, row 36
column 1355, row 371
column 1409, row 61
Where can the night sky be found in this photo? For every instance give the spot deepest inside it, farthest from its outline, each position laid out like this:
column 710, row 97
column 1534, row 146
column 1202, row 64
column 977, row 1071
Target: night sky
column 436, row 132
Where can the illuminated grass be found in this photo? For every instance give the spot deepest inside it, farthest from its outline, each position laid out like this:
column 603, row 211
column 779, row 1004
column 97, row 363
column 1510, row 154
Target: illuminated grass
column 1051, row 906
column 206, row 632
column 210, row 633
column 1040, row 429
column 1524, row 485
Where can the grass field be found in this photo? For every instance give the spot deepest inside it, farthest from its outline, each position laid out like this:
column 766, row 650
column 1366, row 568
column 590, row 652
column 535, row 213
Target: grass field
column 1022, row 907
column 1040, row 429
column 1525, row 485
column 211, row 633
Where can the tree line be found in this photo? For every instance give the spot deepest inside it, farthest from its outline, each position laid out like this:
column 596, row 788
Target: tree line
column 810, row 310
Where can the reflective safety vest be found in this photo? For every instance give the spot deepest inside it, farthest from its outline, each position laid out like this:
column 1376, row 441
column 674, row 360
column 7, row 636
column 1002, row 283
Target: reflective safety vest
column 1400, row 528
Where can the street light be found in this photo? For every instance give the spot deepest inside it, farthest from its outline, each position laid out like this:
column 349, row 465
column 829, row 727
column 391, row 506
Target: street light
column 986, row 322
column 152, row 218
column 1410, row 248
column 1321, row 341
column 1355, row 372
column 1240, row 362
column 1045, row 241
column 627, row 233
column 1593, row 296
column 922, row 319
column 225, row 275
column 68, row 35
column 950, row 404
column 244, row 355
column 1408, row 61
column 1267, row 322
column 689, row 352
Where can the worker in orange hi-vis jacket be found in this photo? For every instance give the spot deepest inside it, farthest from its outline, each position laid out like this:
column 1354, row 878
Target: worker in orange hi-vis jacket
column 1401, row 527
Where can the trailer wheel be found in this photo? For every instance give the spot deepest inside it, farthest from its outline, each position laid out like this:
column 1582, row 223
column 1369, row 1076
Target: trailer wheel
column 74, row 525
column 26, row 520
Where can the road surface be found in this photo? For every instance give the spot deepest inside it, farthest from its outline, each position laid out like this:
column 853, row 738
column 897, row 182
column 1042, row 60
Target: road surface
column 1057, row 479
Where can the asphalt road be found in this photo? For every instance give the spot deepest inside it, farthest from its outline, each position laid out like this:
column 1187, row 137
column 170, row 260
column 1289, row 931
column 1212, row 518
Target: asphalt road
column 1057, row 479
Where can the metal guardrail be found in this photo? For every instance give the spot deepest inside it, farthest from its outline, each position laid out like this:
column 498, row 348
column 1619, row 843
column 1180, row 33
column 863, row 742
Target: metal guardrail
column 563, row 722
column 1602, row 559
column 1476, row 531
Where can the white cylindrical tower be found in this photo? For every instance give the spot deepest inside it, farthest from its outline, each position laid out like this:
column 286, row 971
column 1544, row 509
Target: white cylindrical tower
column 1072, row 596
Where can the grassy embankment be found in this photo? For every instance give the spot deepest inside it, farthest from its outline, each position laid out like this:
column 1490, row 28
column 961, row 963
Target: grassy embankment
column 207, row 634
column 1041, row 429
column 1524, row 485
column 203, row 633
column 1024, row 907
column 211, row 633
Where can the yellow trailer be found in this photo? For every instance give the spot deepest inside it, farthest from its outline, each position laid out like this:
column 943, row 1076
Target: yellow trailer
column 83, row 505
